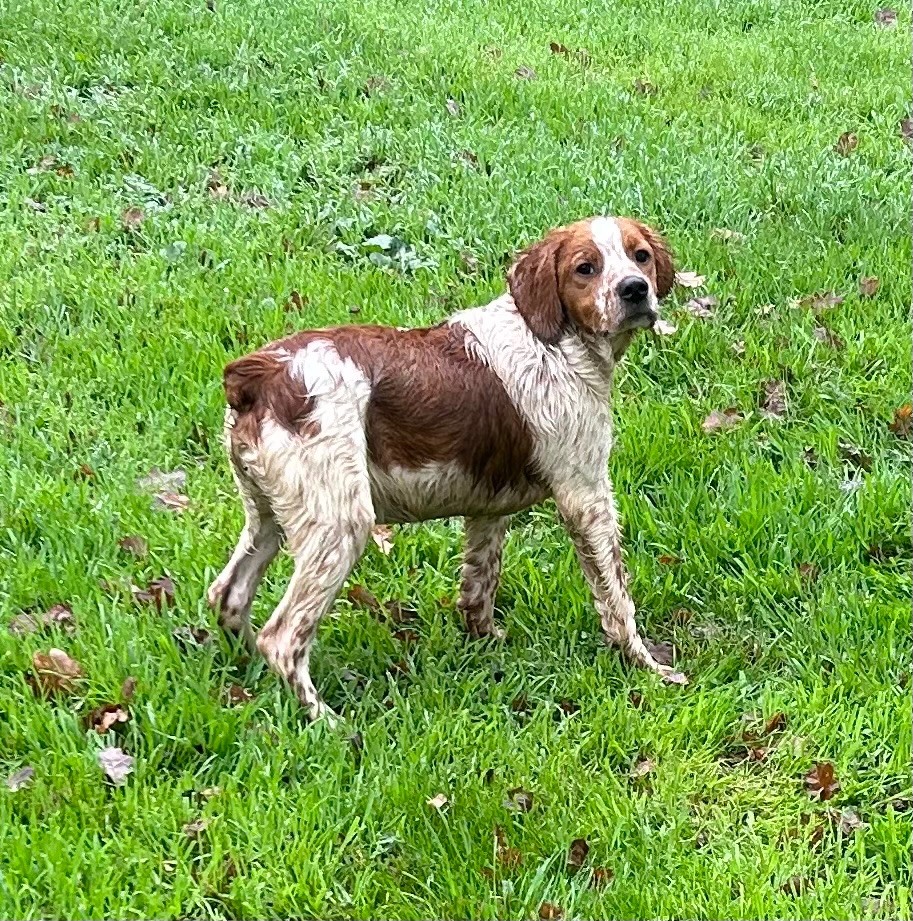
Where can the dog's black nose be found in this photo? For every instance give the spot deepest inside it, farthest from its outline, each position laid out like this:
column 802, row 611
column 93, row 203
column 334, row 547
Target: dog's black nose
column 633, row 290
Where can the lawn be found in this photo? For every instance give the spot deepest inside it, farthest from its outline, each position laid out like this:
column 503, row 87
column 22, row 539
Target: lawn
column 182, row 181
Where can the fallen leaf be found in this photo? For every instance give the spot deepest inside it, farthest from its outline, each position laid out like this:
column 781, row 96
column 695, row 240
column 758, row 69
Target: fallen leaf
column 738, row 346
column 662, row 328
column 568, row 707
column 906, row 130
column 601, row 877
column 362, row 598
column 727, row 235
column 134, row 545
column 663, row 652
column 116, row 764
column 846, row 143
column 38, row 206
column 453, row 107
column 810, row 456
column 644, row 87
column 558, row 48
column 576, row 854
column 886, row 17
column 548, row 911
column 157, row 479
column 382, row 535
column 809, row 572
column 720, row 421
column 823, row 334
column 902, row 426
column 375, row 84
column 405, row 635
column 797, row 885
column 20, row 779
column 773, row 402
column 636, row 699
column 132, row 218
column 438, row 802
column 159, row 592
column 519, row 800
column 643, row 767
column 216, row 185
column 846, row 820
column 171, row 501
column 237, row 694
column 56, row 671
column 520, row 705
column 701, row 306
column 104, row 718
column 296, row 301
column 128, row 688
column 468, row 157
column 188, row 637
column 855, row 456
column 869, row 285
column 821, row 782
column 194, row 829
column 689, row 280
column 822, row 301
column 400, row 613
column 525, row 73
column 57, row 615
column 468, row 262
column 667, row 559
column 254, row 200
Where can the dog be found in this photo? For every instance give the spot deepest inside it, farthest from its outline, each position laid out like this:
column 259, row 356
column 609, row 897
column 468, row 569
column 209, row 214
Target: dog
column 332, row 431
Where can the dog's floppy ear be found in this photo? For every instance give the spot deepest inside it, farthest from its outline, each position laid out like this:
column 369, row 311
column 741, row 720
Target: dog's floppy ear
column 533, row 284
column 662, row 256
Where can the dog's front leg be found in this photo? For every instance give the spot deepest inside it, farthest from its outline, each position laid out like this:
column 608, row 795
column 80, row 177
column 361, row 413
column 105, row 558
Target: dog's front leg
column 589, row 515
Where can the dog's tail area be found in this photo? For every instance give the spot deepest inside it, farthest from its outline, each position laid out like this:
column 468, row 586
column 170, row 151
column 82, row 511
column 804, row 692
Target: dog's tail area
column 258, row 385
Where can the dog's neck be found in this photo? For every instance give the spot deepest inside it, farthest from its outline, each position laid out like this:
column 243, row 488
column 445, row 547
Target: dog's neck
column 593, row 357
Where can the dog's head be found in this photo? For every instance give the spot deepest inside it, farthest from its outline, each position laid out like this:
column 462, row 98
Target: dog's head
column 604, row 275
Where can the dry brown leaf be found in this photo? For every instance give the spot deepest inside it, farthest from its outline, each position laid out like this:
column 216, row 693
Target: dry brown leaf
column 846, row 143
column 797, row 885
column 194, row 829
column 643, row 767
column 577, row 853
column 568, row 707
column 855, row 456
column 776, row 723
column 738, row 347
column 19, row 779
column 689, row 280
column 453, row 107
column 548, row 911
column 525, row 73
column 846, row 820
column 701, row 306
column 400, row 612
column 128, row 688
column 809, row 572
column 237, row 694
column 254, row 199
column 189, row 637
column 902, row 426
column 869, row 285
column 644, row 87
column 822, row 301
column 662, row 328
column 116, row 764
column 159, row 592
column 727, row 235
column 558, row 48
column 601, row 877
column 106, row 717
column 59, row 615
column 906, row 130
column 773, row 402
column 134, row 545
column 132, row 218
column 439, row 801
column 171, row 501
column 56, row 671
column 720, row 421
column 821, row 781
column 382, row 535
column 519, row 800
column 216, row 185
column 468, row 262
column 362, row 598
column 38, row 206
column 886, row 17
column 823, row 334
column 296, row 301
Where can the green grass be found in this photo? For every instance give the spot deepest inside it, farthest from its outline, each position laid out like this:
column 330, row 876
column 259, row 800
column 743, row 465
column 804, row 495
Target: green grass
column 112, row 346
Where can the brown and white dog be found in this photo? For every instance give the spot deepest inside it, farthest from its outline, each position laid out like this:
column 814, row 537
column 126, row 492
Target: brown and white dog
column 333, row 431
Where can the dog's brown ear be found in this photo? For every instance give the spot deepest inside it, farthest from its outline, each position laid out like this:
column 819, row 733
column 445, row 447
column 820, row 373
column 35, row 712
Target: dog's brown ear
column 533, row 283
column 662, row 256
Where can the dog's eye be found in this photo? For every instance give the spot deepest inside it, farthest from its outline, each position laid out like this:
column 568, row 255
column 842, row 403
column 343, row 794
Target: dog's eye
column 586, row 268
column 642, row 256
